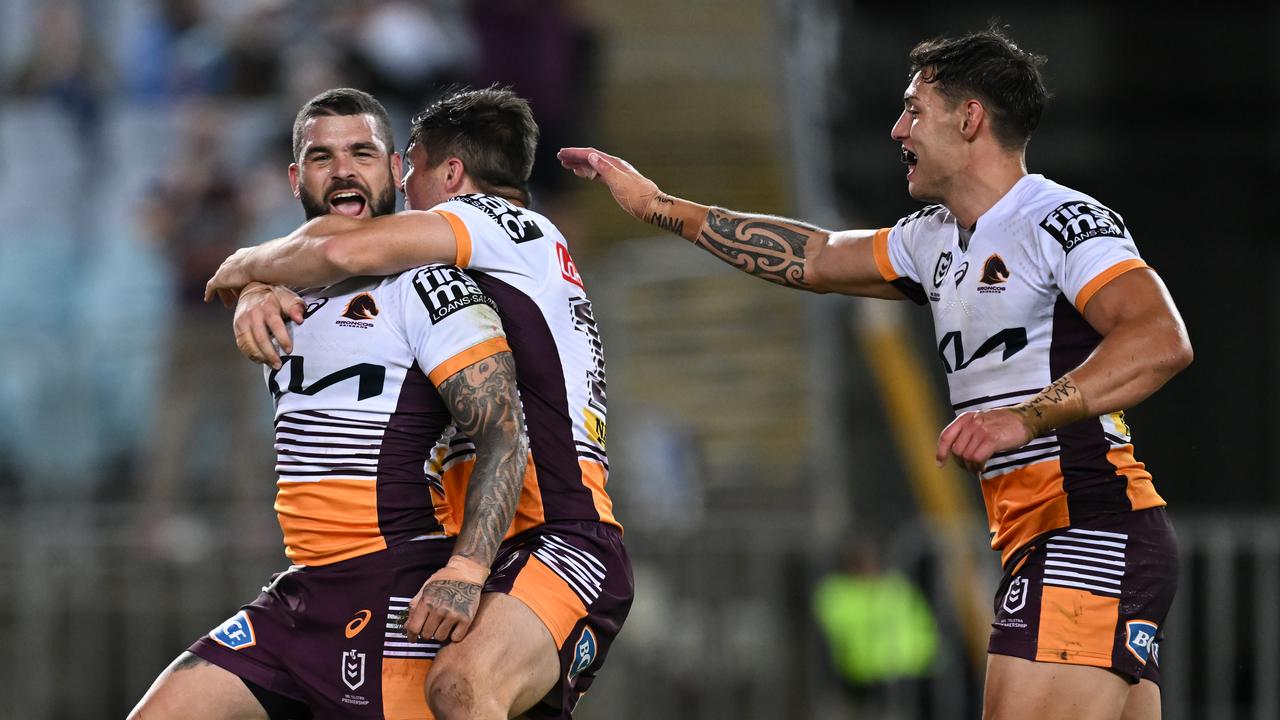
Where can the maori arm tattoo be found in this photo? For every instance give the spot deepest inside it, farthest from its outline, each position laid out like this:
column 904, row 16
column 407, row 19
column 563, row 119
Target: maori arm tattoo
column 767, row 247
column 486, row 407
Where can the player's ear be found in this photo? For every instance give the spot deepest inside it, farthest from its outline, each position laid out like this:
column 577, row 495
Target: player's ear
column 972, row 115
column 294, row 171
column 397, row 169
column 455, row 174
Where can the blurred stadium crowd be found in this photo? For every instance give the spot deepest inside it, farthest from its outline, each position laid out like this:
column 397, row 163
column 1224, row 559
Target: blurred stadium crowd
column 147, row 141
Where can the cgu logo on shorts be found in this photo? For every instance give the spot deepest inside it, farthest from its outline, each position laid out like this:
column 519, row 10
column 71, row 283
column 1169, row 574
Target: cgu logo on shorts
column 1016, row 597
column 236, row 633
column 584, row 653
column 1141, row 638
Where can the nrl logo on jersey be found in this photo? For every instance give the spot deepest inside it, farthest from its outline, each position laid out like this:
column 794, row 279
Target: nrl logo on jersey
column 1072, row 223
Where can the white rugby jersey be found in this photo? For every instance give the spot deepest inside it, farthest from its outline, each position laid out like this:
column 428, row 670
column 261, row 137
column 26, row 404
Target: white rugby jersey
column 1008, row 317
column 521, row 261
column 358, row 413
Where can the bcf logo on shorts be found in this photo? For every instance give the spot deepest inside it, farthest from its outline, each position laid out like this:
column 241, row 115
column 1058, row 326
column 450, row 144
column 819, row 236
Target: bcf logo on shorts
column 1016, row 597
column 236, row 633
column 584, row 653
column 1141, row 638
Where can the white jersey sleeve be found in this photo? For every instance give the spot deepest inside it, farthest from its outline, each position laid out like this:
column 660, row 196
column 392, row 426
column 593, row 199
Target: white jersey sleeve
column 897, row 249
column 495, row 236
column 1087, row 246
column 449, row 322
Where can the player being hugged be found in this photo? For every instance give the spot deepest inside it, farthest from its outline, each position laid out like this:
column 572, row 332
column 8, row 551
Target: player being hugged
column 560, row 585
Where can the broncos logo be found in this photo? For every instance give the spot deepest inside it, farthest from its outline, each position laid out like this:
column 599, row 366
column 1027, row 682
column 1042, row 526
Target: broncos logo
column 361, row 307
column 994, row 271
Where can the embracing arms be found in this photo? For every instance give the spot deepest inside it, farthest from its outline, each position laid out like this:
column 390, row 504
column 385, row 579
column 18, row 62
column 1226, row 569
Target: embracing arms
column 486, row 407
column 334, row 247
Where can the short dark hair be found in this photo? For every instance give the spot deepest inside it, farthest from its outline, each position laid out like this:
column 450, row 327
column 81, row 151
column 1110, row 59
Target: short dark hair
column 991, row 67
column 343, row 101
column 491, row 130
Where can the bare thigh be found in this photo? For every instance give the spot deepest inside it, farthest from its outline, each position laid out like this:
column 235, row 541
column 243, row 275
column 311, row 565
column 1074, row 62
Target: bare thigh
column 194, row 689
column 508, row 653
column 1018, row 689
column 1143, row 702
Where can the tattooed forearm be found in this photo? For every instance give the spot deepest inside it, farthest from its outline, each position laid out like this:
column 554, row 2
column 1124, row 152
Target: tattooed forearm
column 1058, row 404
column 486, row 407
column 767, row 247
column 661, row 216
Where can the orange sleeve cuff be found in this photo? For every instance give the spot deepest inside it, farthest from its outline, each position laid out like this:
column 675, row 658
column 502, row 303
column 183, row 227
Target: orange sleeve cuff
column 1093, row 286
column 880, row 249
column 461, row 237
column 475, row 353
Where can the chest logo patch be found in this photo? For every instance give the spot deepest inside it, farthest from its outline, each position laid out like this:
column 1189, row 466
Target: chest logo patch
column 359, row 312
column 940, row 270
column 994, row 275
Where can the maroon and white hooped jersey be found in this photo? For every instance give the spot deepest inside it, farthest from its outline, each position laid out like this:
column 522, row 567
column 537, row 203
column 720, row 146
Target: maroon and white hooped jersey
column 1008, row 308
column 521, row 261
column 357, row 410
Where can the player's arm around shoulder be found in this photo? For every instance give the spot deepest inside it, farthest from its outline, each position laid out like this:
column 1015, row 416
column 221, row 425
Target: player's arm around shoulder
column 332, row 248
column 390, row 244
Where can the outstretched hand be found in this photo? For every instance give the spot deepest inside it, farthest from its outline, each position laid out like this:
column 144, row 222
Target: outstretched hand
column 634, row 192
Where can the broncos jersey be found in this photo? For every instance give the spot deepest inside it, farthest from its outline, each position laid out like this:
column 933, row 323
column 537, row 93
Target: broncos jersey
column 1008, row 309
column 521, row 261
column 358, row 413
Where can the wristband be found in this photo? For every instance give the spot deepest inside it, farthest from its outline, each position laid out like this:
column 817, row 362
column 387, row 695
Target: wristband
column 464, row 569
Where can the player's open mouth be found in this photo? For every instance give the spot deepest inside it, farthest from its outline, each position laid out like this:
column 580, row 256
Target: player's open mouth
column 909, row 157
column 347, row 202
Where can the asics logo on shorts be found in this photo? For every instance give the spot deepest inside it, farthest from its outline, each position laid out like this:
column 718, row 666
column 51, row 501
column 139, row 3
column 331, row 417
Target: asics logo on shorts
column 357, row 623
column 1090, row 560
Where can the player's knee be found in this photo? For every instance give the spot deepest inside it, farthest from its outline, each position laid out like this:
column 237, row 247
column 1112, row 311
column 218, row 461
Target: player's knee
column 455, row 695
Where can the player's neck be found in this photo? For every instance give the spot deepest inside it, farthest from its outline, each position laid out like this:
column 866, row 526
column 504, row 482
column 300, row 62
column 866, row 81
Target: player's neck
column 470, row 188
column 986, row 181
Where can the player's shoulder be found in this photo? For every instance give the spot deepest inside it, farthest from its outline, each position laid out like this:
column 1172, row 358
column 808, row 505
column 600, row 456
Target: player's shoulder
column 441, row 288
column 1068, row 216
column 492, row 214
